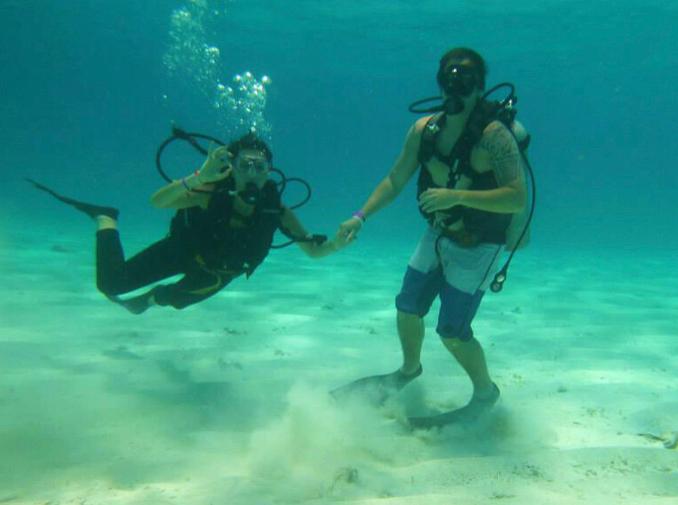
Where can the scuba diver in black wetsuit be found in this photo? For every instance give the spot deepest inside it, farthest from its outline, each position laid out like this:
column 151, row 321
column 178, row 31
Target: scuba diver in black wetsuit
column 227, row 214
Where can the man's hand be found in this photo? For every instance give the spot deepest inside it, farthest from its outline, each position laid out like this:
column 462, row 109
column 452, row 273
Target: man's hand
column 217, row 166
column 349, row 229
column 435, row 199
column 339, row 241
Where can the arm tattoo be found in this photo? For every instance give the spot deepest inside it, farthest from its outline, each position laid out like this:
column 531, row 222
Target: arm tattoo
column 499, row 143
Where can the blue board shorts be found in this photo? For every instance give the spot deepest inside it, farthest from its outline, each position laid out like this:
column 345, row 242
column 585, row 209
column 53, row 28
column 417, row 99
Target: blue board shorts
column 460, row 275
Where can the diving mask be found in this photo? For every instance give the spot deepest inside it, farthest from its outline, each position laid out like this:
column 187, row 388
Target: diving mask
column 256, row 165
column 457, row 80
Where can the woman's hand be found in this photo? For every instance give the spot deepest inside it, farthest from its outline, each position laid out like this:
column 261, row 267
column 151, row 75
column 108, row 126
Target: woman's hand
column 435, row 199
column 339, row 241
column 217, row 166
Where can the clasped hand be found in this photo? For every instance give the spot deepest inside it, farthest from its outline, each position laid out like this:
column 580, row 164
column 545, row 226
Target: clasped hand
column 435, row 199
column 348, row 230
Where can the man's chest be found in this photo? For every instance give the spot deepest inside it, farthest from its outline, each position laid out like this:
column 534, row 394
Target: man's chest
column 458, row 171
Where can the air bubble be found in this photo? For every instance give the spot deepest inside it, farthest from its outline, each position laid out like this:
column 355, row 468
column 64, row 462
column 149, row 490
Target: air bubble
column 191, row 56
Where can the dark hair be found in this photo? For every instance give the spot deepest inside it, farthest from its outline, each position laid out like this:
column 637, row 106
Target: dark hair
column 250, row 141
column 464, row 53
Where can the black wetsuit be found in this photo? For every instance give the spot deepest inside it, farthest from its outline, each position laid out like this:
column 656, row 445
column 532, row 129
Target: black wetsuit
column 203, row 245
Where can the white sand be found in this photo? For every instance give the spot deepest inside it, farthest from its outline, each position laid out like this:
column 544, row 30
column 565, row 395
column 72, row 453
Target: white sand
column 226, row 402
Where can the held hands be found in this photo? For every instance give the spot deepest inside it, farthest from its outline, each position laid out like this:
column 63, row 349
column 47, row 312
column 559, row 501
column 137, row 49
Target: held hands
column 318, row 246
column 431, row 200
column 217, row 166
column 435, row 199
column 348, row 230
column 339, row 241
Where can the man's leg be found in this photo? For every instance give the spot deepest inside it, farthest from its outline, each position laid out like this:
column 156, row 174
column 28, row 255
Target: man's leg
column 378, row 388
column 421, row 284
column 457, row 310
column 470, row 355
column 413, row 302
column 467, row 276
column 411, row 333
column 420, row 287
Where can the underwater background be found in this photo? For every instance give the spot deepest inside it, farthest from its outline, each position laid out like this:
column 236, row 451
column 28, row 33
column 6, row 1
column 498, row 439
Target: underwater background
column 87, row 96
column 226, row 402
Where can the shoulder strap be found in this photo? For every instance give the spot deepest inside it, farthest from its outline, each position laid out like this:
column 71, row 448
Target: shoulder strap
column 429, row 134
column 524, row 143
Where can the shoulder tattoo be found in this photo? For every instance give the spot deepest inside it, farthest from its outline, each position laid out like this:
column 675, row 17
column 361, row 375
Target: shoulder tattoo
column 503, row 151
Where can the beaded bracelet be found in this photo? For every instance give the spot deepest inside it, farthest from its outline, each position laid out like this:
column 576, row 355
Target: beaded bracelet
column 184, row 182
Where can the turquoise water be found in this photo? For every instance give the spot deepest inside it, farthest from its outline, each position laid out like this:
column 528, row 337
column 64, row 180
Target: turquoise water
column 83, row 85
column 582, row 340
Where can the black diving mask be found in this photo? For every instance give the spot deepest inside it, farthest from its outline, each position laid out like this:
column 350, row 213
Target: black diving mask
column 457, row 80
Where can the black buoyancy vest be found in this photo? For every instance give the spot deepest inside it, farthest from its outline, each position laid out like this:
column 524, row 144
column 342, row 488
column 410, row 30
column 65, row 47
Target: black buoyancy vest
column 487, row 226
column 209, row 234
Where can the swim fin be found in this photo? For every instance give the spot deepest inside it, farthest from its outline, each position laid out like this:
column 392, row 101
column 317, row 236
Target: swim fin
column 469, row 413
column 376, row 389
column 90, row 209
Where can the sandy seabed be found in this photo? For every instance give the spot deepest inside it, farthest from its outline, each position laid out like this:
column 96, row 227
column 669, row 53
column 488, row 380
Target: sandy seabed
column 226, row 402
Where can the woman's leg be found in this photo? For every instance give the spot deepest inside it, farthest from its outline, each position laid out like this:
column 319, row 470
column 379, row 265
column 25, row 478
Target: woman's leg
column 196, row 286
column 116, row 276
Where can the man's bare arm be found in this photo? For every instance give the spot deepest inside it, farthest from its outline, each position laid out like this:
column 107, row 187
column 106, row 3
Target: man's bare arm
column 501, row 151
column 401, row 172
